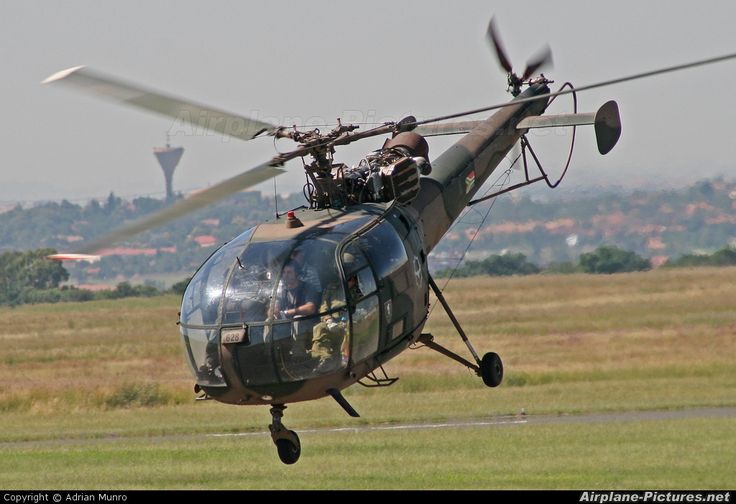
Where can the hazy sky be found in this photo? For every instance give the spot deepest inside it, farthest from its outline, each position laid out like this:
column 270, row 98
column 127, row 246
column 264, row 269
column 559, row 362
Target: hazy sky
column 366, row 61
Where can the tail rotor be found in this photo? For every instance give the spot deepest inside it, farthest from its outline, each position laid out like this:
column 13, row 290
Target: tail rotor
column 539, row 60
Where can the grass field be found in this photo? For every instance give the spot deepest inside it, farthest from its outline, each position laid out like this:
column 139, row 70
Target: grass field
column 97, row 395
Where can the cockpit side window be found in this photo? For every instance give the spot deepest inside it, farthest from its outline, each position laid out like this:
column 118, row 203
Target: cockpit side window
column 357, row 272
column 362, row 302
column 384, row 249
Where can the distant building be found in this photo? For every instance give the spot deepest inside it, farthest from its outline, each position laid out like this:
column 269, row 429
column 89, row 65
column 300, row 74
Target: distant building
column 205, row 240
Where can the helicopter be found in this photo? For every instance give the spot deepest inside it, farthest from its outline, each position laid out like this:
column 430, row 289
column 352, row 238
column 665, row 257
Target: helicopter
column 321, row 297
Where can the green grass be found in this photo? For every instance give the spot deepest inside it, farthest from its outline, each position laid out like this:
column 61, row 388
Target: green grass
column 646, row 454
column 74, row 376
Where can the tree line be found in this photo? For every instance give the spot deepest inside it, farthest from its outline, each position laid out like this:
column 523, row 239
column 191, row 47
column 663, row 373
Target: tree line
column 63, row 226
column 28, row 277
column 606, row 259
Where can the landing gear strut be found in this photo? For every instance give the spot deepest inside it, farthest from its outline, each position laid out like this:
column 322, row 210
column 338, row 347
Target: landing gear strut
column 286, row 441
column 489, row 368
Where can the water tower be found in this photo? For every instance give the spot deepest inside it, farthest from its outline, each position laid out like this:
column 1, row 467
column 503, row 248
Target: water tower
column 168, row 157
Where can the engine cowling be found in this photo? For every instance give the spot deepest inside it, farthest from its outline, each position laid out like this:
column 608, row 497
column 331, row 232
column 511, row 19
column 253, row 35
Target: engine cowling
column 401, row 180
column 390, row 173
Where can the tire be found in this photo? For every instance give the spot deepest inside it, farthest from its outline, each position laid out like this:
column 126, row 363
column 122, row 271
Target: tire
column 491, row 369
column 289, row 451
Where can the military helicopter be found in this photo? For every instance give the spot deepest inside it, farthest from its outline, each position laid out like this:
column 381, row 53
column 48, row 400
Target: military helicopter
column 320, row 298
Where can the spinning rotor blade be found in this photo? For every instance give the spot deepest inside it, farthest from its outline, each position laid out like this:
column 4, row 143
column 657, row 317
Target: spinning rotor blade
column 200, row 116
column 185, row 206
column 619, row 80
column 454, row 128
column 495, row 40
column 541, row 59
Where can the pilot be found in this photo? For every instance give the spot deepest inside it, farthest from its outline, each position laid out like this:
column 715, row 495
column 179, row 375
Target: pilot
column 297, row 298
column 329, row 340
column 306, row 272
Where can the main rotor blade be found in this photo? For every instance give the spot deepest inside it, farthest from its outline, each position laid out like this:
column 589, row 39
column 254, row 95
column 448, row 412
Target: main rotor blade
column 546, row 96
column 495, row 40
column 453, row 128
column 182, row 207
column 200, row 116
column 541, row 59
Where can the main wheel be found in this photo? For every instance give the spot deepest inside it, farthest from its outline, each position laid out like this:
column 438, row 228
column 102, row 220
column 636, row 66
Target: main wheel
column 289, row 449
column 491, row 369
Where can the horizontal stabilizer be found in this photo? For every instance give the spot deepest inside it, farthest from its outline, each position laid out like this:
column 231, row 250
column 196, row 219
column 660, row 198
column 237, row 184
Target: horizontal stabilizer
column 607, row 124
column 606, row 121
column 556, row 121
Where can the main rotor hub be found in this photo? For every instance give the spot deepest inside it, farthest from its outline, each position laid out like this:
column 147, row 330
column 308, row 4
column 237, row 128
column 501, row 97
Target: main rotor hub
column 516, row 83
column 390, row 173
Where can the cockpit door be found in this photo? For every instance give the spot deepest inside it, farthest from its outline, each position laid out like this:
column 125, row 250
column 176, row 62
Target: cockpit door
column 384, row 248
column 363, row 303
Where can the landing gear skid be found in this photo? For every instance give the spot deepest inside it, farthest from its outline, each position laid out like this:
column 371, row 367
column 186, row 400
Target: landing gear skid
column 489, row 368
column 286, row 441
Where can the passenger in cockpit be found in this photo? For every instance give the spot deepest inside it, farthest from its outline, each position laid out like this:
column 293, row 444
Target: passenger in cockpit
column 330, row 341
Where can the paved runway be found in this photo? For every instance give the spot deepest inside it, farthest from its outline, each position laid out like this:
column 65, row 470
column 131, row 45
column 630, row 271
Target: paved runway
column 521, row 419
column 490, row 422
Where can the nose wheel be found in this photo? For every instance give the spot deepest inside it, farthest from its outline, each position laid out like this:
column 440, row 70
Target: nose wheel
column 287, row 441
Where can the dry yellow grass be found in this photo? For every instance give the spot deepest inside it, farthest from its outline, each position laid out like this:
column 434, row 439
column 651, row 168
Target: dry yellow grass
column 83, row 351
column 657, row 319
column 665, row 324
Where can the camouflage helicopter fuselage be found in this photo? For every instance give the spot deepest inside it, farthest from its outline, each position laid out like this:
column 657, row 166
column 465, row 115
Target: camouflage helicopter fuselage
column 262, row 366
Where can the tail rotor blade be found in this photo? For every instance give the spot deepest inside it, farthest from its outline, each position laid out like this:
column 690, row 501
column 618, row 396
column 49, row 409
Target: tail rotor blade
column 541, row 59
column 495, row 40
column 547, row 96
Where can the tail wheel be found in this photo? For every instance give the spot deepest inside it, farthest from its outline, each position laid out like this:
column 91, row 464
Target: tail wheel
column 491, row 369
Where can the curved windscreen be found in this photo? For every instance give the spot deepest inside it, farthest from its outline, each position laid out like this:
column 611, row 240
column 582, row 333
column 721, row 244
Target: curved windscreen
column 203, row 296
column 287, row 299
column 295, row 312
column 200, row 308
column 249, row 293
